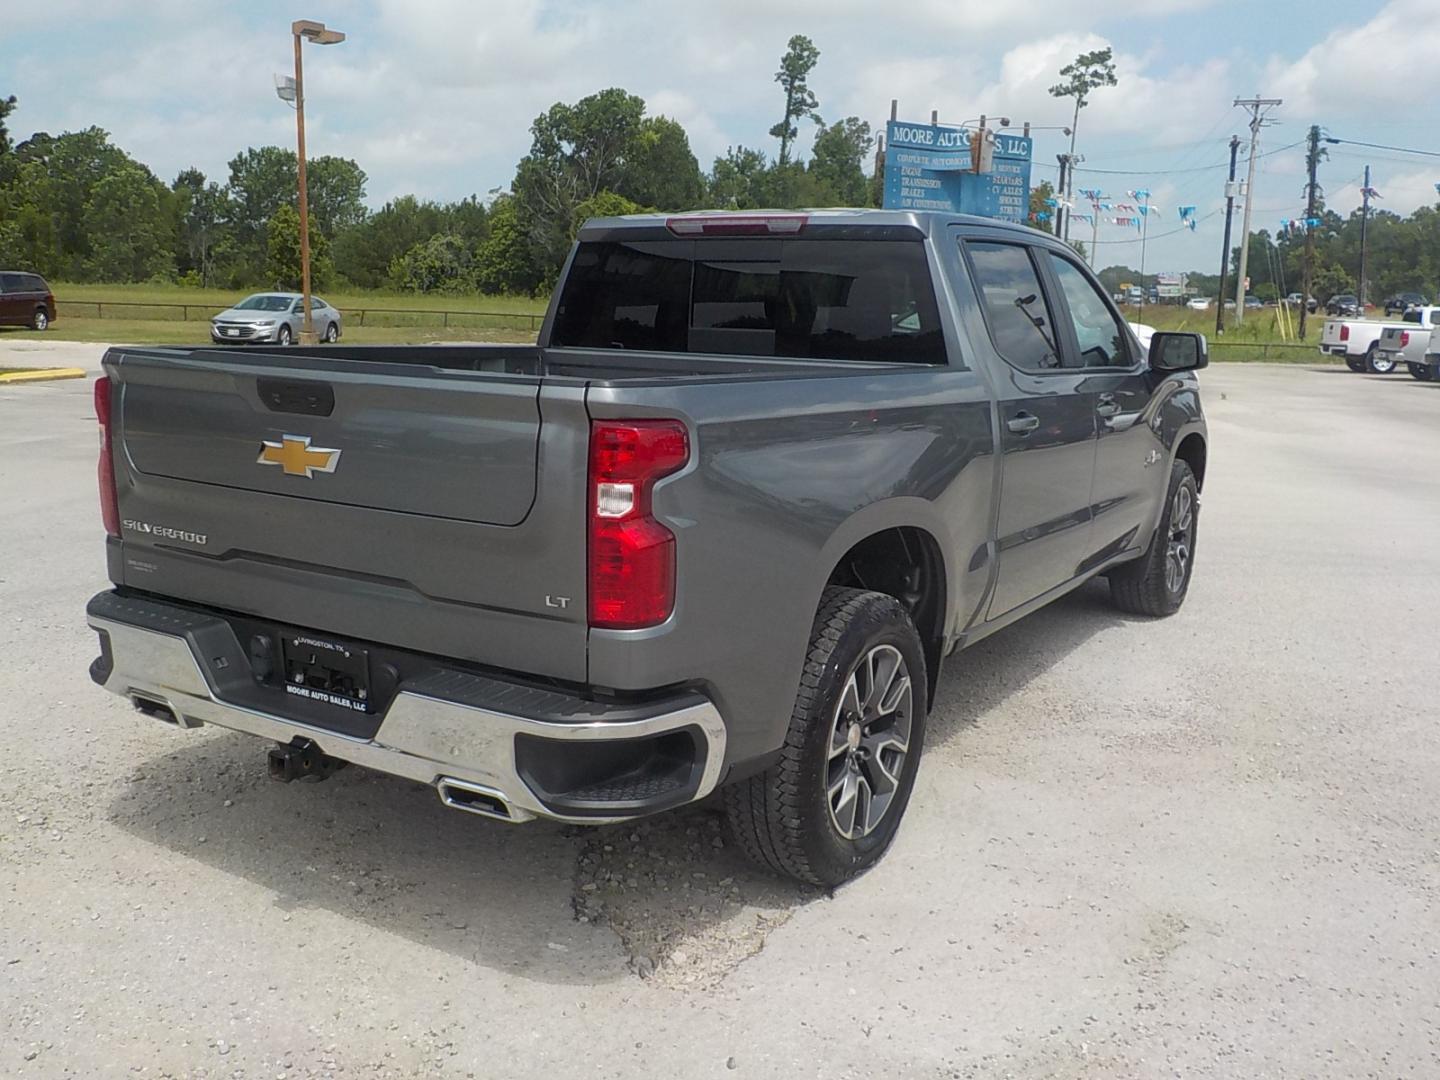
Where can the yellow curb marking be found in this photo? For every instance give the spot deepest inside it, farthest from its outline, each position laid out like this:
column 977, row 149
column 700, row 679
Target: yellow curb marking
column 44, row 374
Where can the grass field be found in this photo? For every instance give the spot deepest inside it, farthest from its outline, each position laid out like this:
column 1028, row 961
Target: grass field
column 103, row 313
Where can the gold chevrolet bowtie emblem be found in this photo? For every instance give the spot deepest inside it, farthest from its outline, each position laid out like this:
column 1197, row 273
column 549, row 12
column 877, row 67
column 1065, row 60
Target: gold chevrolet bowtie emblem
column 297, row 457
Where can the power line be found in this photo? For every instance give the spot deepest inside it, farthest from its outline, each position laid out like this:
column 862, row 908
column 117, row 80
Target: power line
column 1382, row 146
column 1196, row 169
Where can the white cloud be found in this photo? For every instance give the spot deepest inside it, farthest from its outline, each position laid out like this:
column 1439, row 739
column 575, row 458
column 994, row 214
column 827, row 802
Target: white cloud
column 1359, row 69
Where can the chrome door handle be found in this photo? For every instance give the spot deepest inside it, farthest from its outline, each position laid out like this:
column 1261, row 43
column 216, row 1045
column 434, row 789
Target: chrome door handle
column 1108, row 406
column 1023, row 423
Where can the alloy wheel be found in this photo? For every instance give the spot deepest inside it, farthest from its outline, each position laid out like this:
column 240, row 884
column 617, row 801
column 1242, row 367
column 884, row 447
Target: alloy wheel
column 869, row 741
column 1181, row 544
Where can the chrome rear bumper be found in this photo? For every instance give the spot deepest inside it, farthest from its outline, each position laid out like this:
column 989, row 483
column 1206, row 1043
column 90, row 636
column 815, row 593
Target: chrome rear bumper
column 463, row 749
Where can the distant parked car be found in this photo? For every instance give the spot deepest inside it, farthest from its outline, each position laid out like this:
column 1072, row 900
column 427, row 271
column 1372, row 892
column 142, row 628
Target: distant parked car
column 274, row 318
column 1198, row 303
column 1253, row 302
column 1403, row 302
column 1293, row 300
column 1344, row 304
column 25, row 300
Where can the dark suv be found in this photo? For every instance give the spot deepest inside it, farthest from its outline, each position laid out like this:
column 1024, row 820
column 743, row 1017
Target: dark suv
column 25, row 300
column 1343, row 304
column 1403, row 302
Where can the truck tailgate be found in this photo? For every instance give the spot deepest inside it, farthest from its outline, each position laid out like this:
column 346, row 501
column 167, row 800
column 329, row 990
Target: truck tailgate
column 386, row 502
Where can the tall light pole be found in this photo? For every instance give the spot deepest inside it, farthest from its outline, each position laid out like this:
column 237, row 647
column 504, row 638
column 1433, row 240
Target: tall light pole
column 317, row 34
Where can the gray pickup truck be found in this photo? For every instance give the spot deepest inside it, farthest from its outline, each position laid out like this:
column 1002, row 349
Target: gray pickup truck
column 714, row 533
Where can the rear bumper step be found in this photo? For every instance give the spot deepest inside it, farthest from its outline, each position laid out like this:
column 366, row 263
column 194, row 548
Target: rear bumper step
column 582, row 762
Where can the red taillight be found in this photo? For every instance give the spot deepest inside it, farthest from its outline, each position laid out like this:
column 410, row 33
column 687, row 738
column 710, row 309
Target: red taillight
column 632, row 556
column 1344, row 331
column 1404, row 338
column 736, row 224
column 109, row 503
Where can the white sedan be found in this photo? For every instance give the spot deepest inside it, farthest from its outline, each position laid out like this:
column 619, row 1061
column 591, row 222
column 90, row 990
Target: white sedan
column 1197, row 303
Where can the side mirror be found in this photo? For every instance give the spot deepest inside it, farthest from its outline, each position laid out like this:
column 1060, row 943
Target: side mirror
column 1170, row 351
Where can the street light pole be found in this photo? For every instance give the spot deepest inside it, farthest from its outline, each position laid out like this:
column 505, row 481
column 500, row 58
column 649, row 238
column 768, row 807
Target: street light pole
column 307, row 328
column 319, row 35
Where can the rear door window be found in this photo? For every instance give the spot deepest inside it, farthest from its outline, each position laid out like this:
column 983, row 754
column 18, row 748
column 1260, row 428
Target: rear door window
column 803, row 298
column 1016, row 311
column 10, row 283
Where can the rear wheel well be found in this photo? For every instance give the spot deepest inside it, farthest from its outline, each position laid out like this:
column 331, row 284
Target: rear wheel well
column 1192, row 451
column 904, row 563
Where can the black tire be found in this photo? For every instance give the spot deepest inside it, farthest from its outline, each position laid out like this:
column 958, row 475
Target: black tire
column 783, row 818
column 283, row 336
column 1375, row 365
column 1355, row 363
column 1419, row 371
column 1148, row 586
column 332, row 334
column 40, row 320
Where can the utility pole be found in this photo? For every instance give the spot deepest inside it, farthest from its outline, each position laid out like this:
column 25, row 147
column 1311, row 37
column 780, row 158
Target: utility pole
column 1364, row 218
column 1062, row 217
column 1225, row 248
column 1312, row 190
column 1257, row 106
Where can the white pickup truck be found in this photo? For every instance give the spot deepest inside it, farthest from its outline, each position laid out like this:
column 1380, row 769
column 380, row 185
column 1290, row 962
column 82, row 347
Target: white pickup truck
column 1409, row 343
column 1358, row 341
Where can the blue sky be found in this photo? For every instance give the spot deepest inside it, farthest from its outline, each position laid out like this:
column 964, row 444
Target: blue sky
column 435, row 97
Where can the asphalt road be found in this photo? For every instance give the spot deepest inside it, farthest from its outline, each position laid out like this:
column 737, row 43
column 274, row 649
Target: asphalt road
column 1208, row 846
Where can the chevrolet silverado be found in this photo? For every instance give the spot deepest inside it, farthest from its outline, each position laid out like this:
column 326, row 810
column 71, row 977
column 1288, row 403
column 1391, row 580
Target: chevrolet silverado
column 714, row 532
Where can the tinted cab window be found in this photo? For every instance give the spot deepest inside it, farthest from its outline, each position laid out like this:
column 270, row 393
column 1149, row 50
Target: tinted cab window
column 799, row 298
column 1016, row 312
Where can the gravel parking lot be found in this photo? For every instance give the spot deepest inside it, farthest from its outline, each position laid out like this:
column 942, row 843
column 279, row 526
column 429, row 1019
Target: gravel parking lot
column 1208, row 846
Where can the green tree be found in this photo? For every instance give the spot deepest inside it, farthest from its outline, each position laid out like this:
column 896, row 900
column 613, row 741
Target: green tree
column 365, row 252
column 336, row 189
column 126, row 223
column 1040, row 194
column 1080, row 78
column 7, row 106
column 442, row 264
column 602, row 204
column 507, row 262
column 799, row 60
column 660, row 168
column 576, row 152
column 262, row 179
column 282, row 251
column 201, row 221
column 8, row 164
column 838, row 159
column 736, row 179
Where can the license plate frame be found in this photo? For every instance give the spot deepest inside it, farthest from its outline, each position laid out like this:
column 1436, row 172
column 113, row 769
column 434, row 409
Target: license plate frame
column 331, row 672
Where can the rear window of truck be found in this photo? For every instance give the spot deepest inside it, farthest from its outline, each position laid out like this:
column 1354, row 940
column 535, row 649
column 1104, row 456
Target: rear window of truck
column 793, row 298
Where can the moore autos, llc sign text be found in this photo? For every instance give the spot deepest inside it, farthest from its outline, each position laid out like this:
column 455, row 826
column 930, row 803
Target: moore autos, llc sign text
column 927, row 167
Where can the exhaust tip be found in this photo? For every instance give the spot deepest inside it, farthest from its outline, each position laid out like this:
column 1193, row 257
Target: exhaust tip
column 474, row 799
column 156, row 708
